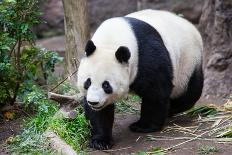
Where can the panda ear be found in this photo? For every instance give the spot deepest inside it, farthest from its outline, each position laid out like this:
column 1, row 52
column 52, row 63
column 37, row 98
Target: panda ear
column 89, row 48
column 123, row 54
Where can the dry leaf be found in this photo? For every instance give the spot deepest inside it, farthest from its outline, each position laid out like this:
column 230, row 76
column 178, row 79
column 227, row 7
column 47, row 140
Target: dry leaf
column 228, row 105
column 8, row 115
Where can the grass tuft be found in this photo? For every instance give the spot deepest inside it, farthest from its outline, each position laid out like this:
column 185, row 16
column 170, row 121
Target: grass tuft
column 75, row 132
column 32, row 140
column 205, row 149
column 154, row 151
column 202, row 110
column 128, row 105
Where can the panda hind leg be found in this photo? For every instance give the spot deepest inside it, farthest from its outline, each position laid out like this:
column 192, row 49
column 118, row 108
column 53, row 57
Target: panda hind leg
column 191, row 96
column 153, row 116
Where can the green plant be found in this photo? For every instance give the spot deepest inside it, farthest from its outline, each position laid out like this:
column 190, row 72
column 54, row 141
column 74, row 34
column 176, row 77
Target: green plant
column 154, row 151
column 74, row 131
column 63, row 88
column 128, row 105
column 227, row 133
column 32, row 140
column 21, row 62
column 202, row 110
column 205, row 149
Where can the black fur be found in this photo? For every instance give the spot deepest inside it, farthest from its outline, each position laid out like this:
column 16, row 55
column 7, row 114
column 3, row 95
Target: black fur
column 87, row 83
column 122, row 54
column 107, row 87
column 89, row 48
column 192, row 94
column 153, row 82
column 101, row 126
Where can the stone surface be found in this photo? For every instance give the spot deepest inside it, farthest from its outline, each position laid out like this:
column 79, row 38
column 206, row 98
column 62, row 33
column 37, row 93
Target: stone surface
column 100, row 10
column 54, row 43
column 190, row 9
column 59, row 144
column 53, row 15
column 215, row 26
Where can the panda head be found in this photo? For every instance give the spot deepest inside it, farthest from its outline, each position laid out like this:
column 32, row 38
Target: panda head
column 103, row 75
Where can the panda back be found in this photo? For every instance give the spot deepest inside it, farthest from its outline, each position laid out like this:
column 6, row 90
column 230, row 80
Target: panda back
column 182, row 40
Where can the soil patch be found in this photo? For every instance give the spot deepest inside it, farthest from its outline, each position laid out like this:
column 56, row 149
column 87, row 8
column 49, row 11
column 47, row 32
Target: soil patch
column 8, row 129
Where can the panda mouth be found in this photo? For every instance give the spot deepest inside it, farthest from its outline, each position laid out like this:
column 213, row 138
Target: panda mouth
column 97, row 108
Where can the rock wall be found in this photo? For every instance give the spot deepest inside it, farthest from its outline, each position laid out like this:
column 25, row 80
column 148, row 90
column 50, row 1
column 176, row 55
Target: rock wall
column 215, row 26
column 190, row 9
column 53, row 15
column 99, row 10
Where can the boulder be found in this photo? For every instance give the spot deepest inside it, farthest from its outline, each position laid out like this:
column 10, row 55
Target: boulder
column 190, row 9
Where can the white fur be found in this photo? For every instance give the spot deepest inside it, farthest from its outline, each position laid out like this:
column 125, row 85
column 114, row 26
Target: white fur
column 112, row 34
column 182, row 40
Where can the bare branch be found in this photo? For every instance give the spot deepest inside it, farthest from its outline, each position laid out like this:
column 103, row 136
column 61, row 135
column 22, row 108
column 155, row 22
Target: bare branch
column 65, row 100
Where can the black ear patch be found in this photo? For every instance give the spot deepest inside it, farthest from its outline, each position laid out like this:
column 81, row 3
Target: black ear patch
column 123, row 54
column 90, row 48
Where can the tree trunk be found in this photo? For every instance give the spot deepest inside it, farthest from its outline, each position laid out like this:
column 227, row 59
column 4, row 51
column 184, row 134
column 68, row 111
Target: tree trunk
column 76, row 33
column 216, row 28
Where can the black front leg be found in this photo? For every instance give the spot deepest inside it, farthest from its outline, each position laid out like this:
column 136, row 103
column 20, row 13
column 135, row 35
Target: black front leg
column 101, row 126
column 154, row 112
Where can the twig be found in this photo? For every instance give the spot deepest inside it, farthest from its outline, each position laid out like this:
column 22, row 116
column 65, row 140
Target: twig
column 23, row 112
column 181, row 138
column 66, row 102
column 62, row 98
column 63, row 80
column 138, row 138
column 75, row 61
column 192, row 139
column 117, row 149
column 12, row 49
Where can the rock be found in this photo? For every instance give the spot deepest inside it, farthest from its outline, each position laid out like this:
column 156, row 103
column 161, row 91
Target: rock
column 190, row 9
column 54, row 44
column 215, row 27
column 53, row 15
column 100, row 10
column 59, row 144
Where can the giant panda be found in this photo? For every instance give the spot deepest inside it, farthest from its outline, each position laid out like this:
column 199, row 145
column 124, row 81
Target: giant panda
column 155, row 54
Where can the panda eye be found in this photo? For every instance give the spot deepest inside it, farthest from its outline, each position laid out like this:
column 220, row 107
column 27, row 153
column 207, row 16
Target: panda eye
column 87, row 83
column 106, row 87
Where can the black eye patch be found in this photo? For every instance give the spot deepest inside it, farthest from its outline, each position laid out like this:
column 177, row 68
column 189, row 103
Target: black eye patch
column 107, row 87
column 87, row 83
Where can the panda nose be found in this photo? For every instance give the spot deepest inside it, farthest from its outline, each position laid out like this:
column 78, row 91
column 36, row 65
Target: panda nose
column 93, row 103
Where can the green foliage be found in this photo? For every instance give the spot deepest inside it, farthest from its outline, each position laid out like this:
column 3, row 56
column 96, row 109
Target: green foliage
column 31, row 140
column 227, row 133
column 63, row 88
column 127, row 105
column 154, row 151
column 202, row 110
column 20, row 61
column 17, row 17
column 74, row 131
column 205, row 149
column 22, row 67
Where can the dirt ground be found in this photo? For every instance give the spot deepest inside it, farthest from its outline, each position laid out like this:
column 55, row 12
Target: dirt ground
column 127, row 142
column 8, row 129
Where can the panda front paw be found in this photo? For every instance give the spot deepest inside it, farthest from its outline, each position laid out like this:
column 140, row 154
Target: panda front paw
column 100, row 144
column 143, row 127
